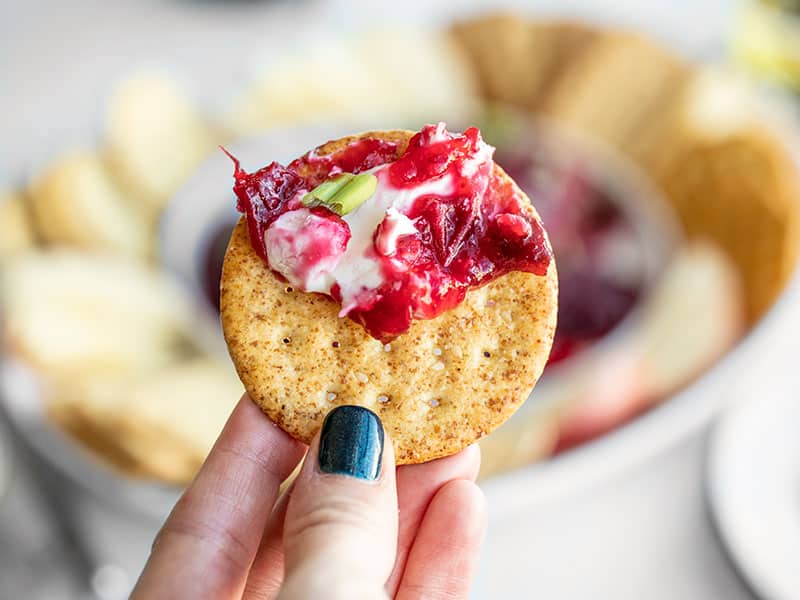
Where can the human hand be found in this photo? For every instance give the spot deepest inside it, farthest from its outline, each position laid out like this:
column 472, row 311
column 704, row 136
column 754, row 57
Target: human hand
column 351, row 526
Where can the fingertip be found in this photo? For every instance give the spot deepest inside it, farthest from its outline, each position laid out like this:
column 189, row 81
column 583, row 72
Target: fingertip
column 467, row 500
column 467, row 496
column 472, row 456
column 452, row 532
column 464, row 464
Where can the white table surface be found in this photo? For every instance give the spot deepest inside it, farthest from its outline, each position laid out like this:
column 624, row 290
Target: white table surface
column 644, row 533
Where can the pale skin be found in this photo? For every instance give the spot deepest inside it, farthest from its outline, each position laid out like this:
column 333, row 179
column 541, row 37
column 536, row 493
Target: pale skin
column 414, row 533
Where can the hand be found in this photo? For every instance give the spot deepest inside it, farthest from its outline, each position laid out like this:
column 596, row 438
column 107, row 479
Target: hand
column 351, row 526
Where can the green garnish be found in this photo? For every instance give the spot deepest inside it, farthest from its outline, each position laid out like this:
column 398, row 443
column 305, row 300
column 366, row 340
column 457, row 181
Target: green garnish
column 343, row 193
column 326, row 190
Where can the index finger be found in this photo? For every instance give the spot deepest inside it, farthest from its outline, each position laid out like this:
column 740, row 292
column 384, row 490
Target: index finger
column 206, row 546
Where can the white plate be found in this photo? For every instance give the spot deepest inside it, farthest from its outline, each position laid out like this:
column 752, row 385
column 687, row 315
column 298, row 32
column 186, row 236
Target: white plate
column 754, row 482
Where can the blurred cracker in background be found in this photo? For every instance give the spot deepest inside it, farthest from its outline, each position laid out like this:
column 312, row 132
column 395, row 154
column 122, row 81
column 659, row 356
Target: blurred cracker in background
column 407, row 77
column 701, row 296
column 16, row 232
column 155, row 137
column 732, row 180
column 420, row 75
column 74, row 403
column 617, row 89
column 517, row 59
column 111, row 339
column 72, row 313
column 741, row 192
column 518, row 443
column 160, row 426
column 75, row 202
column 727, row 173
column 729, row 178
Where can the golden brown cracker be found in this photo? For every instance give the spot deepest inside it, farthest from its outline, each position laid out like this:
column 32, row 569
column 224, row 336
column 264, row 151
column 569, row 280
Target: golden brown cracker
column 616, row 89
column 439, row 387
column 159, row 425
column 155, row 137
column 75, row 202
column 741, row 191
column 514, row 58
column 16, row 231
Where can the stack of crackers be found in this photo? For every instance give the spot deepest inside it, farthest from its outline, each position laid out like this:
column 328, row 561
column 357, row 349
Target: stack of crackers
column 114, row 343
column 727, row 176
column 84, row 304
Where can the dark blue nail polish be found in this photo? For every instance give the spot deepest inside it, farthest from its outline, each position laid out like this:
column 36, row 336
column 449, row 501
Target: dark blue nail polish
column 351, row 443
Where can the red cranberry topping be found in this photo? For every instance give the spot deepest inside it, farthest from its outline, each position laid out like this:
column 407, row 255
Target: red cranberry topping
column 427, row 158
column 477, row 232
column 581, row 215
column 263, row 196
column 360, row 156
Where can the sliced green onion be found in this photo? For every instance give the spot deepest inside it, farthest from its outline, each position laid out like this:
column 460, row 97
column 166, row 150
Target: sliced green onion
column 323, row 193
column 343, row 193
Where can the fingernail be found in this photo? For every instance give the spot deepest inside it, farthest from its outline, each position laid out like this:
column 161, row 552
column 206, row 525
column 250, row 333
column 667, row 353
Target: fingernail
column 351, row 443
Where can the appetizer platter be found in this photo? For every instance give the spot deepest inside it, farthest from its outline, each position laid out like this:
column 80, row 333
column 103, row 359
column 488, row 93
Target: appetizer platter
column 646, row 171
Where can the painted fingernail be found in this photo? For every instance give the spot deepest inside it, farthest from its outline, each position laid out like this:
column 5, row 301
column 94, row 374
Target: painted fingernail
column 351, row 443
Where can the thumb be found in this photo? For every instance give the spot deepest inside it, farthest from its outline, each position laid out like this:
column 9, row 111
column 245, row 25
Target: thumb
column 340, row 532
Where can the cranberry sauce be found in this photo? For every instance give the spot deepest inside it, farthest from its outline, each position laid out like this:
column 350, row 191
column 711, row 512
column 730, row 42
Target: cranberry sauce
column 357, row 157
column 584, row 223
column 263, row 196
column 465, row 238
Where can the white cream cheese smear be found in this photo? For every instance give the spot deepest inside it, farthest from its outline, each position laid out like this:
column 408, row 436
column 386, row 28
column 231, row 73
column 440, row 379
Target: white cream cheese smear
column 307, row 250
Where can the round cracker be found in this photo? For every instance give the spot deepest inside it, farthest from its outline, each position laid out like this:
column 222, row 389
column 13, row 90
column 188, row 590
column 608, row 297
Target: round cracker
column 439, row 387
